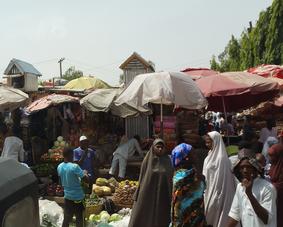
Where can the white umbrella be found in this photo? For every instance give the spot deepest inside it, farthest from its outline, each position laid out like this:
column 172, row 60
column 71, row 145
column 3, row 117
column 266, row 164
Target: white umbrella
column 11, row 98
column 164, row 88
column 102, row 100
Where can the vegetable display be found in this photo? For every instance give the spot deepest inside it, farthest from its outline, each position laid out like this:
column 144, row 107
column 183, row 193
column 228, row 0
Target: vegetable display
column 104, row 187
column 44, row 169
column 104, row 217
column 124, row 194
column 56, row 152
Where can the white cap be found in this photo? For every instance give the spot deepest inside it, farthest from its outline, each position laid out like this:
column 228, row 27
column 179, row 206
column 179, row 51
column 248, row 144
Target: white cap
column 83, row 138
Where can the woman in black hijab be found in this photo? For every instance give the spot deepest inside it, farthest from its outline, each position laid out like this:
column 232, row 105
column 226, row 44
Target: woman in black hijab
column 153, row 196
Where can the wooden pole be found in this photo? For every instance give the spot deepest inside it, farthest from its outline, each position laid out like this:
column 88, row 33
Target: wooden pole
column 225, row 114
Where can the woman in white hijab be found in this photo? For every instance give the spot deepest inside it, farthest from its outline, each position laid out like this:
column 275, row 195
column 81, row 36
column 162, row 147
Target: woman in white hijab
column 220, row 184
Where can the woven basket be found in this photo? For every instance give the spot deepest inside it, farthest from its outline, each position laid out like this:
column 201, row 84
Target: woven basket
column 120, row 205
column 123, row 205
column 94, row 209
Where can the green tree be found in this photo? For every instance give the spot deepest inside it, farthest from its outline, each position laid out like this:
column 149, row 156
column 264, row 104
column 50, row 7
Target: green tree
column 259, row 36
column 274, row 41
column 257, row 45
column 214, row 64
column 246, row 51
column 230, row 58
column 71, row 73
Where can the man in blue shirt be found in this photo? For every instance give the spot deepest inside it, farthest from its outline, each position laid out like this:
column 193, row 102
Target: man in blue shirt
column 71, row 175
column 85, row 157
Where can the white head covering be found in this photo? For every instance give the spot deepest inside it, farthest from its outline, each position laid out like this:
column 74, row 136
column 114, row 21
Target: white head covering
column 220, row 184
column 218, row 150
column 268, row 143
column 82, row 138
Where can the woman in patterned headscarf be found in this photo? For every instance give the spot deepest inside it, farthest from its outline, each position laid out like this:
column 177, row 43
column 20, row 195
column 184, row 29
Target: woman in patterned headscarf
column 188, row 188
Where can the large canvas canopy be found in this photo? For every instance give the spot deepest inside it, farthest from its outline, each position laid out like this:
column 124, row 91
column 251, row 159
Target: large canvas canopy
column 11, row 98
column 102, row 100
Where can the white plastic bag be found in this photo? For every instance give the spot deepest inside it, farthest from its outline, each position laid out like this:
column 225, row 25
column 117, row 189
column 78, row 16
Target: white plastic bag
column 50, row 213
column 122, row 223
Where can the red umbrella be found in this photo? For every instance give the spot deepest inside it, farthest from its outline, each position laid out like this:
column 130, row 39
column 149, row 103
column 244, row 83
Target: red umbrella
column 197, row 73
column 236, row 90
column 256, row 83
column 217, row 85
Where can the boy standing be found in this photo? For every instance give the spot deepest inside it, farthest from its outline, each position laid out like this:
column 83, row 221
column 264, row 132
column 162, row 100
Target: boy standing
column 71, row 175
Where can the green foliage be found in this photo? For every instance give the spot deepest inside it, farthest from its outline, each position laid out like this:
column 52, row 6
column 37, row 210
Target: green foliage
column 257, row 45
column 214, row 64
column 274, row 42
column 71, row 73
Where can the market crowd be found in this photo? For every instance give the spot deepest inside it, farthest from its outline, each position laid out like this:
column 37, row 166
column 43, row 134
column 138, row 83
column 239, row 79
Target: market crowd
column 245, row 189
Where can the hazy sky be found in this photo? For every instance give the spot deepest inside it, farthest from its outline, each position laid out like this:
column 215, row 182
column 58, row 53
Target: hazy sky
column 97, row 36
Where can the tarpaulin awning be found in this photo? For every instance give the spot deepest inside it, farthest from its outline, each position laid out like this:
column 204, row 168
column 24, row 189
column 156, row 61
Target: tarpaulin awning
column 49, row 100
column 102, row 100
column 268, row 70
column 86, row 82
column 11, row 98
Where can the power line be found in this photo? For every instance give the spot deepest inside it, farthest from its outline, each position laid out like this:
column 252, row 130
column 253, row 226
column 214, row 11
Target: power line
column 91, row 67
column 44, row 61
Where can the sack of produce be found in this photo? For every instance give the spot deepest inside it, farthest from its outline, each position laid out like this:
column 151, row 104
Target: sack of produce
column 97, row 190
column 106, row 190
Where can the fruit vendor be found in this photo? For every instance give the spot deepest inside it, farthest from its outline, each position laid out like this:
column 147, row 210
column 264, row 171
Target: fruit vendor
column 85, row 157
column 122, row 153
column 71, row 175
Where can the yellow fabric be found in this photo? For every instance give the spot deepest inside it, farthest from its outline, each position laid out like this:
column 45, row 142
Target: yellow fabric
column 86, row 82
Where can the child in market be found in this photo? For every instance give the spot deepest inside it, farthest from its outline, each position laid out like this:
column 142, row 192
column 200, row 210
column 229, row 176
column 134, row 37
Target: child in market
column 71, row 175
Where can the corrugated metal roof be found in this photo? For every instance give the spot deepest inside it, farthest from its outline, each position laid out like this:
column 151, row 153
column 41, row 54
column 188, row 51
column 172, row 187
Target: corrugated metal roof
column 22, row 66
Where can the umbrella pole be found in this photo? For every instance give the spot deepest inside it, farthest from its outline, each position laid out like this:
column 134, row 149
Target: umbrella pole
column 161, row 120
column 225, row 114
